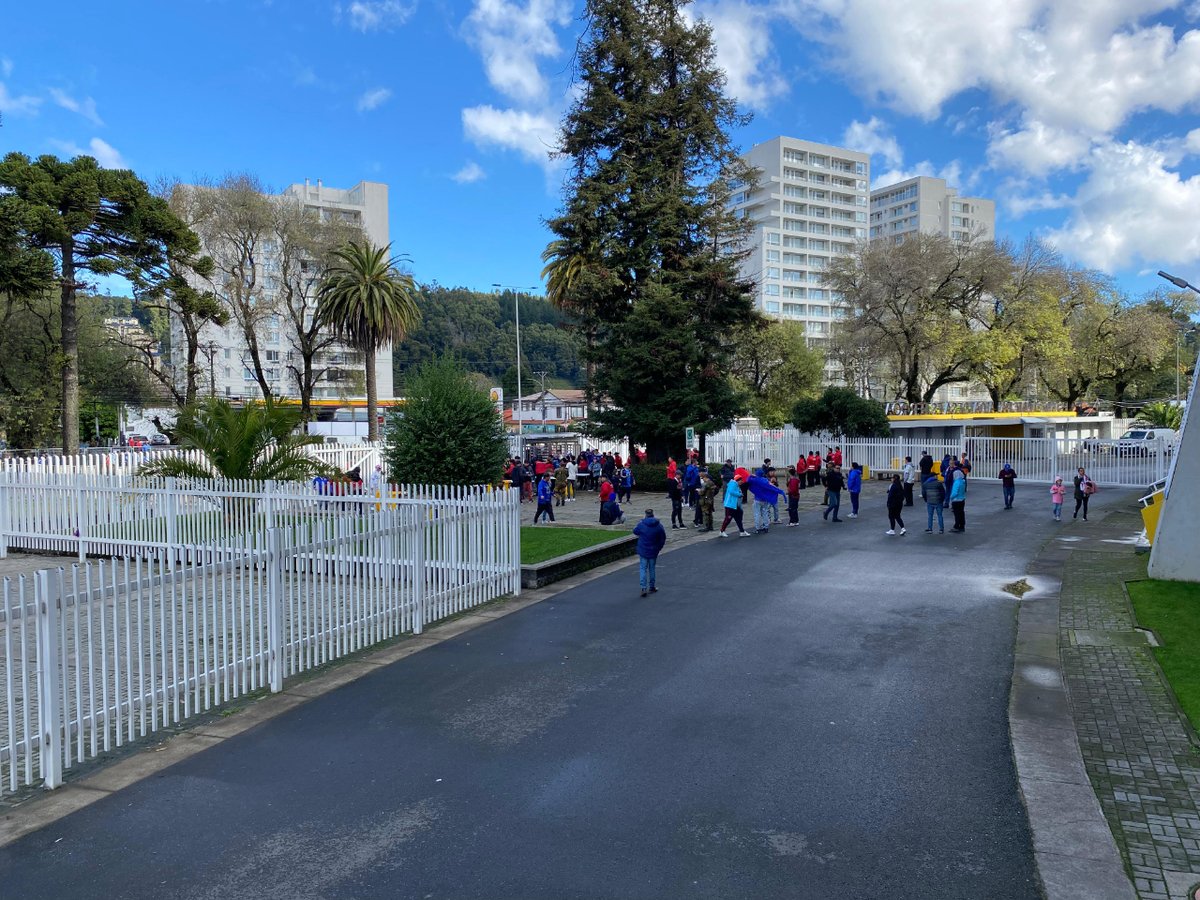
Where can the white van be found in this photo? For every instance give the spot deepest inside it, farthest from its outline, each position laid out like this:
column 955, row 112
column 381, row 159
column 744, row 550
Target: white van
column 1144, row 440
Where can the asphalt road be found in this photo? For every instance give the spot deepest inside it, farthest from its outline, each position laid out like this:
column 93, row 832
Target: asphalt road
column 815, row 713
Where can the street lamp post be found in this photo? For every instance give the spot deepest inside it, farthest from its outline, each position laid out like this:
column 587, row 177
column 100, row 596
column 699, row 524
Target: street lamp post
column 1183, row 286
column 517, row 316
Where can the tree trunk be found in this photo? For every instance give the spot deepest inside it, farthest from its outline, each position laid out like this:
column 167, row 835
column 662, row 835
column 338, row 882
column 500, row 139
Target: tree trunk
column 372, row 399
column 70, row 351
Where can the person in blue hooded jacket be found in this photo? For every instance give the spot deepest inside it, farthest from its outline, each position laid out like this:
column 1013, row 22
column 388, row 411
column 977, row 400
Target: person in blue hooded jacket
column 651, row 536
column 958, row 501
column 854, row 487
column 766, row 496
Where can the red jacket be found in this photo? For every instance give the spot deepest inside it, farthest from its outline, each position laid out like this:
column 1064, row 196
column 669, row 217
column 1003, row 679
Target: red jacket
column 837, row 457
column 794, row 486
column 671, row 467
column 813, row 463
column 606, row 491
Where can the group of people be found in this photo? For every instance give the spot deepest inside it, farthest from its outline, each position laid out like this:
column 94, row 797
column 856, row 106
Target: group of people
column 554, row 481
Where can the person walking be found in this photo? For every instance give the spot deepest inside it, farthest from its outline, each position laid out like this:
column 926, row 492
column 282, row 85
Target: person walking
column 596, row 471
column 675, row 493
column 733, row 507
column 947, row 477
column 854, row 487
column 625, row 483
column 691, row 482
column 560, row 485
column 833, row 488
column 1008, row 483
column 909, row 479
column 933, row 492
column 895, row 503
column 814, row 469
column 958, row 501
column 545, row 499
column 793, row 494
column 708, row 496
column 1084, row 488
column 651, row 537
column 1057, row 493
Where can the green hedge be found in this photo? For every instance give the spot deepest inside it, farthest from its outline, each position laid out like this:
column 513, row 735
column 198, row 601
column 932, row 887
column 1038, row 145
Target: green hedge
column 652, row 477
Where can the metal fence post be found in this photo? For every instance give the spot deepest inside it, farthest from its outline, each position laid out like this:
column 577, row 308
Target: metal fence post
column 275, row 608
column 47, row 600
column 5, row 497
column 419, row 569
column 171, row 506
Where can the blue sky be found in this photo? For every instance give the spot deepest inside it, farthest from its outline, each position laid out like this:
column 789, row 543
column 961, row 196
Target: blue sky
column 1079, row 117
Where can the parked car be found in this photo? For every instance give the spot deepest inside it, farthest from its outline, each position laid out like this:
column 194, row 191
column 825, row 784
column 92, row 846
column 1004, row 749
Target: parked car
column 135, row 439
column 1144, row 441
column 158, row 439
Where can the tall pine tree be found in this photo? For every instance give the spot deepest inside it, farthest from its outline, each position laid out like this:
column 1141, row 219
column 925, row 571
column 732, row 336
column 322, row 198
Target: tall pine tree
column 646, row 251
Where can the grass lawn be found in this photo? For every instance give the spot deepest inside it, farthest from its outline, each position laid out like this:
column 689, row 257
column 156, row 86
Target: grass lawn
column 1172, row 609
column 542, row 543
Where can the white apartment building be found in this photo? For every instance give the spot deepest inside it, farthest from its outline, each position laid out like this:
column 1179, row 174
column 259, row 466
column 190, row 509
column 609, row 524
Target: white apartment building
column 929, row 205
column 810, row 205
column 228, row 371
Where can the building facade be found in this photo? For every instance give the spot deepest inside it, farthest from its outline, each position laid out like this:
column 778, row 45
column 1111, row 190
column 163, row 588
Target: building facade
column 809, row 205
column 228, row 371
column 931, row 206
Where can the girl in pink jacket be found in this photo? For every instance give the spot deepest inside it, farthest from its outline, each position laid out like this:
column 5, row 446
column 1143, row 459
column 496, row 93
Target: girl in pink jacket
column 1057, row 492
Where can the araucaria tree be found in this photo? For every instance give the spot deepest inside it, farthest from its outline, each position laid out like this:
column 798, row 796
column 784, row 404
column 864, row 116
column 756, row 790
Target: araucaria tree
column 646, row 247
column 92, row 221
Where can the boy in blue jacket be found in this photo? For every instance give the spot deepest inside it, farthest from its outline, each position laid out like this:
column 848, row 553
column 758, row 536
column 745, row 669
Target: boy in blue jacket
column 545, row 499
column 651, row 536
column 854, row 486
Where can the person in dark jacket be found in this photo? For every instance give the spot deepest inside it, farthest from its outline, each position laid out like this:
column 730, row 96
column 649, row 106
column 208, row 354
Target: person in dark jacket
column 1084, row 488
column 833, row 487
column 1008, row 483
column 545, row 499
column 933, row 492
column 926, row 465
column 675, row 493
column 727, row 471
column 895, row 503
column 854, row 487
column 651, row 537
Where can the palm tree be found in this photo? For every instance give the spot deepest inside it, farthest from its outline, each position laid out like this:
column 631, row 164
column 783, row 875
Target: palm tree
column 257, row 442
column 1162, row 415
column 369, row 304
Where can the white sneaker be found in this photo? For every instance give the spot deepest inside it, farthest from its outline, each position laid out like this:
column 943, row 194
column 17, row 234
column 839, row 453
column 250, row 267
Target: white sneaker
column 722, row 534
column 852, row 516
column 745, row 534
column 889, row 531
column 904, row 531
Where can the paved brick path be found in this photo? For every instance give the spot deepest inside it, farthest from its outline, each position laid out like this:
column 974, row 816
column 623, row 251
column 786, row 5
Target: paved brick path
column 1137, row 746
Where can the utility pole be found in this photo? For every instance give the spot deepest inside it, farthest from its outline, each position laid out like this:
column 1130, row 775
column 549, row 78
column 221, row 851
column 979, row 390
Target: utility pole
column 542, row 378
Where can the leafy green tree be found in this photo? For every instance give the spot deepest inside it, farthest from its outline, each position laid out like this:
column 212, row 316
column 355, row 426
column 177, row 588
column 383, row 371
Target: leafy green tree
column 368, row 303
column 646, row 219
column 774, row 366
column 92, row 221
column 255, row 442
column 840, row 411
column 448, row 431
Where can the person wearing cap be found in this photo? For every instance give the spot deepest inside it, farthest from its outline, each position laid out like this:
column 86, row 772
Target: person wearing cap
column 1008, row 483
column 733, row 506
column 651, row 536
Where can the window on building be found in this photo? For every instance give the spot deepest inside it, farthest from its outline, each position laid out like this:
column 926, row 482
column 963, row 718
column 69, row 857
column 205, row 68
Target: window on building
column 772, row 272
column 771, row 290
column 773, row 237
column 772, row 306
column 272, row 356
column 772, row 256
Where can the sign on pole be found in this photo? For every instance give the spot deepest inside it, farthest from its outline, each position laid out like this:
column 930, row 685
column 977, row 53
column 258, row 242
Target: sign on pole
column 689, row 439
column 497, row 395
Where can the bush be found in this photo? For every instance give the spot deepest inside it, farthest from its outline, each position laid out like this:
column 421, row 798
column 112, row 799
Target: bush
column 448, row 431
column 841, row 411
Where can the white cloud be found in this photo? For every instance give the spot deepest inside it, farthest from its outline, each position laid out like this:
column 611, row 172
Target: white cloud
column 872, row 137
column 533, row 135
column 951, row 173
column 1073, row 67
column 1018, row 206
column 1132, row 209
column 6, row 66
column 742, row 34
column 373, row 99
column 511, row 38
column 85, row 107
column 370, row 15
column 19, row 104
column 1038, row 149
column 104, row 153
column 470, row 173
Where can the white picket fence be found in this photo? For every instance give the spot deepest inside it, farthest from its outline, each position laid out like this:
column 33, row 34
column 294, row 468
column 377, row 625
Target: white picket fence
column 1038, row 460
column 104, row 653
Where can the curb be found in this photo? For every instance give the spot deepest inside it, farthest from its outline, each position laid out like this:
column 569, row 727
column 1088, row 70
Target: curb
column 150, row 760
column 1073, row 847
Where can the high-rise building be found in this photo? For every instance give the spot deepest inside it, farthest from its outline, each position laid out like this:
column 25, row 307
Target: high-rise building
column 227, row 369
column 929, row 205
column 809, row 205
